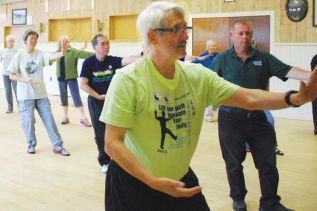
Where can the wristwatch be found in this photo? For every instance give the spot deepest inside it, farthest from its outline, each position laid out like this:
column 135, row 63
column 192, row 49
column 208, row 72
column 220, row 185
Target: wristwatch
column 287, row 98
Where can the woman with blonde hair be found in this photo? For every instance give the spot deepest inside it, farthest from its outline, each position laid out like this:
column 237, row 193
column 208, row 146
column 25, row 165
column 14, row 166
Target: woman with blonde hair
column 66, row 72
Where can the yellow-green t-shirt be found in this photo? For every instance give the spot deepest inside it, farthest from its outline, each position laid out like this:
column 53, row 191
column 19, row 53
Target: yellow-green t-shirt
column 163, row 116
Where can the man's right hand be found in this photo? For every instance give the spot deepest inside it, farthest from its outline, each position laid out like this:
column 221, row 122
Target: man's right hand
column 101, row 97
column 174, row 188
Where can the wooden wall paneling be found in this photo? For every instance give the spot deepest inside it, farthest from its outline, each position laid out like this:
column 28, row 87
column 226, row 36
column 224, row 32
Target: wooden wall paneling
column 301, row 32
column 57, row 5
column 7, row 30
column 284, row 29
column 78, row 29
column 311, row 31
column 214, row 6
column 198, row 6
column 232, row 6
column 39, row 16
column 210, row 28
column 80, row 4
column 265, row 5
column 100, row 12
column 123, row 28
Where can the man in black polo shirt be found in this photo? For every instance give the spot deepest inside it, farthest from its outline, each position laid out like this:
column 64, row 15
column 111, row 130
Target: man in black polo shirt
column 250, row 68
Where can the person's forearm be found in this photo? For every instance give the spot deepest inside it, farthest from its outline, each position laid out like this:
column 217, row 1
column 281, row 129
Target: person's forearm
column 89, row 90
column 255, row 99
column 56, row 56
column 18, row 78
column 129, row 60
column 298, row 74
column 86, row 88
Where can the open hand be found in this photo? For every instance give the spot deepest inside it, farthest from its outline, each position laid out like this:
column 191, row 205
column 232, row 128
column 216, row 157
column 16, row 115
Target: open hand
column 174, row 188
column 308, row 90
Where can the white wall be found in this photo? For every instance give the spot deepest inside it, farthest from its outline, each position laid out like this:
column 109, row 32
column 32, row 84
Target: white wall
column 298, row 55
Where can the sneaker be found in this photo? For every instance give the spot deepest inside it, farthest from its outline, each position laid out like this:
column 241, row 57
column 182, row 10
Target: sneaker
column 238, row 205
column 278, row 207
column 209, row 118
column 31, row 150
column 104, row 168
column 85, row 122
column 65, row 121
column 279, row 152
column 61, row 151
column 9, row 111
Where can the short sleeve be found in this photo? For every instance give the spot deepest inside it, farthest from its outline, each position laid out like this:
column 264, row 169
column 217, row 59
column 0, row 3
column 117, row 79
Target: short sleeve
column 119, row 107
column 277, row 68
column 216, row 65
column 85, row 69
column 14, row 64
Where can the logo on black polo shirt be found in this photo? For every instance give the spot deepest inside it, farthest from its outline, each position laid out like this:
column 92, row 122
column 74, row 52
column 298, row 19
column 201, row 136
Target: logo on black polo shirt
column 257, row 63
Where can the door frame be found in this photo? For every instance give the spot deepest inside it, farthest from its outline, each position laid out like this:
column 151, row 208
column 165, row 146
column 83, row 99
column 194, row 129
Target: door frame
column 269, row 13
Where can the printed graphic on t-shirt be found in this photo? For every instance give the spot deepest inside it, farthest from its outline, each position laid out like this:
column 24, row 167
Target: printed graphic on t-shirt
column 174, row 117
column 164, row 129
column 31, row 68
column 103, row 75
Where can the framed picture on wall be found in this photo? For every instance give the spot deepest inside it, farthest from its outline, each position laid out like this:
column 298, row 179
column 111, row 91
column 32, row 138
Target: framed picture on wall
column 315, row 13
column 19, row 16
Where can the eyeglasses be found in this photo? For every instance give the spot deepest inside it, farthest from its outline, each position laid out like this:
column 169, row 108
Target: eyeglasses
column 175, row 30
column 104, row 44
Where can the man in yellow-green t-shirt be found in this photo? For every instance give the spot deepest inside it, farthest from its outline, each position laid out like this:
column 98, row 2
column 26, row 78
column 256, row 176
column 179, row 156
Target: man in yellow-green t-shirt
column 153, row 114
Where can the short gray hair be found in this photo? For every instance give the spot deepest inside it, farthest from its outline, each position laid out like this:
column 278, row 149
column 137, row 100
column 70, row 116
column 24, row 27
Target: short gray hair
column 29, row 32
column 61, row 39
column 210, row 42
column 94, row 40
column 9, row 38
column 154, row 17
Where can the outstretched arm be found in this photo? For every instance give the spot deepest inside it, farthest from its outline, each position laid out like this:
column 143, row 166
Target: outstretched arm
column 60, row 54
column 128, row 60
column 115, row 148
column 298, row 74
column 254, row 99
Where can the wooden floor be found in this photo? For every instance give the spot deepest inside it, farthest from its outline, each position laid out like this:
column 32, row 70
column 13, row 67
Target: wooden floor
column 47, row 182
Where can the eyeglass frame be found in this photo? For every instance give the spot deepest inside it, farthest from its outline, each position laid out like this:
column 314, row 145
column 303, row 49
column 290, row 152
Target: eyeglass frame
column 175, row 29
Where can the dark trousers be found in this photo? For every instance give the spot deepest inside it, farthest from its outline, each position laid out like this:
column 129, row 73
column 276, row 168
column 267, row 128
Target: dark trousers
column 95, row 107
column 314, row 106
column 74, row 91
column 126, row 193
column 236, row 127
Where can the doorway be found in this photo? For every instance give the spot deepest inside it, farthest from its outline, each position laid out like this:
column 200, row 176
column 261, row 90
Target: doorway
column 217, row 27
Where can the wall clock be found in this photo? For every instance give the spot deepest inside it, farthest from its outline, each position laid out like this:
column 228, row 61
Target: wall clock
column 296, row 10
